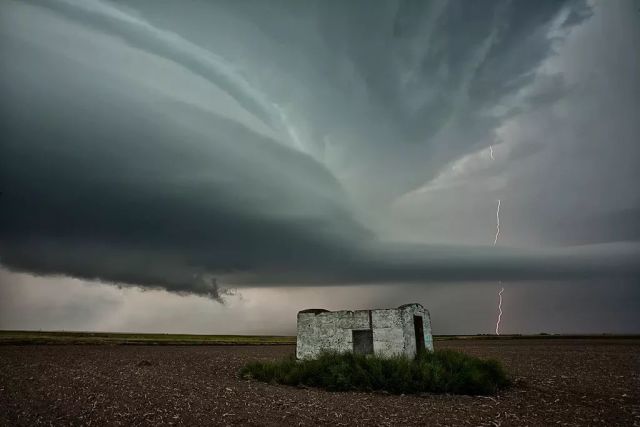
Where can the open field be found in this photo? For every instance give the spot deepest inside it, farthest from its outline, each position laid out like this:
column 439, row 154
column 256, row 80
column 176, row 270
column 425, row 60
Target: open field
column 63, row 337
column 557, row 382
column 124, row 338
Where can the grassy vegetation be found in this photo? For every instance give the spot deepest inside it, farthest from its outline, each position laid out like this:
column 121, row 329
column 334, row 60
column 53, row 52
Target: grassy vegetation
column 442, row 371
column 38, row 337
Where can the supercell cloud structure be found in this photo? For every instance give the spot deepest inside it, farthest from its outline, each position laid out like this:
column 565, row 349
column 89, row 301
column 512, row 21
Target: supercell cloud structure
column 157, row 145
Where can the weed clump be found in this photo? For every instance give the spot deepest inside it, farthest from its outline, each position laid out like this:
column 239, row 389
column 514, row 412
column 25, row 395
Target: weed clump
column 441, row 371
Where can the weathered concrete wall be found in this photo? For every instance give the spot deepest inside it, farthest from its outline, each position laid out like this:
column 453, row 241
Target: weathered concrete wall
column 393, row 330
column 388, row 332
column 408, row 311
column 329, row 330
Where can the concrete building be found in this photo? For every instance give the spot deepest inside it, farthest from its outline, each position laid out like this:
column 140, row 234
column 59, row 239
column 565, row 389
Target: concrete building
column 384, row 332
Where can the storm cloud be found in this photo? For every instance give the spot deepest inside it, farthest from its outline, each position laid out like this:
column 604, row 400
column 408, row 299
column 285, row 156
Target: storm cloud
column 260, row 143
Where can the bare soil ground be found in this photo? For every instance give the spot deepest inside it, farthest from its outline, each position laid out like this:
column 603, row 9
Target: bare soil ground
column 557, row 382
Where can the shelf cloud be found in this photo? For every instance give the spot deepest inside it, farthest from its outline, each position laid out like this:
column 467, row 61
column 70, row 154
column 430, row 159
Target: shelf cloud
column 254, row 143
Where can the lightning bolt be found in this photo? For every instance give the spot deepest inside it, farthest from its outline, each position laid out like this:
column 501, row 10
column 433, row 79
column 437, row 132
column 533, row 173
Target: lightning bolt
column 495, row 241
column 499, row 310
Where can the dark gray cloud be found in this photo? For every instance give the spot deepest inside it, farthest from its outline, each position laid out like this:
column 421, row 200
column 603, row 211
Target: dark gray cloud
column 269, row 143
column 120, row 194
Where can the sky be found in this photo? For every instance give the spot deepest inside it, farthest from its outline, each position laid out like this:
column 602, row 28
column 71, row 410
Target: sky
column 214, row 167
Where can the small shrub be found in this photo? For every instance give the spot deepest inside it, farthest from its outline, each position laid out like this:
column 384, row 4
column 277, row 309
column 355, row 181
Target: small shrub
column 442, row 371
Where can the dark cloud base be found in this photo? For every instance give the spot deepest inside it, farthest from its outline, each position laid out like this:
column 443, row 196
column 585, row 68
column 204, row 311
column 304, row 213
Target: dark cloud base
column 103, row 178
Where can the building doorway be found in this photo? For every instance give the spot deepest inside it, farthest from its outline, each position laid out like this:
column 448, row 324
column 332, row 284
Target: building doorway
column 418, row 327
column 363, row 341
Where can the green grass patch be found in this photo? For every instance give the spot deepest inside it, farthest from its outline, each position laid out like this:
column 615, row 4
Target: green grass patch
column 442, row 371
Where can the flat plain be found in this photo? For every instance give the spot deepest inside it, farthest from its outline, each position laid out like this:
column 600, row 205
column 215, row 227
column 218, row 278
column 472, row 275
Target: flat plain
column 557, row 381
column 123, row 338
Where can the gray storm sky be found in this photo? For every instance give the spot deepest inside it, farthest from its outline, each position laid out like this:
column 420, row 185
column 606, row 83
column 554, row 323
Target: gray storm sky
column 319, row 153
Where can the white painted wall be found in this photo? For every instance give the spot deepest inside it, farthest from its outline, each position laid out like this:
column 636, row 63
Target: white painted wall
column 393, row 331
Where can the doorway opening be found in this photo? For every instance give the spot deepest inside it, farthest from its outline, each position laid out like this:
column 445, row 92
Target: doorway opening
column 419, row 331
column 363, row 341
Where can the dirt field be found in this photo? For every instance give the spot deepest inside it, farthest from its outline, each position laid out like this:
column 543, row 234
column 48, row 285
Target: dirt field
column 558, row 382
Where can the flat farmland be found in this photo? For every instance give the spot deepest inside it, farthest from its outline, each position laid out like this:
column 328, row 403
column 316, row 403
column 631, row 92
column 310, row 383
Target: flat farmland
column 557, row 381
column 115, row 338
